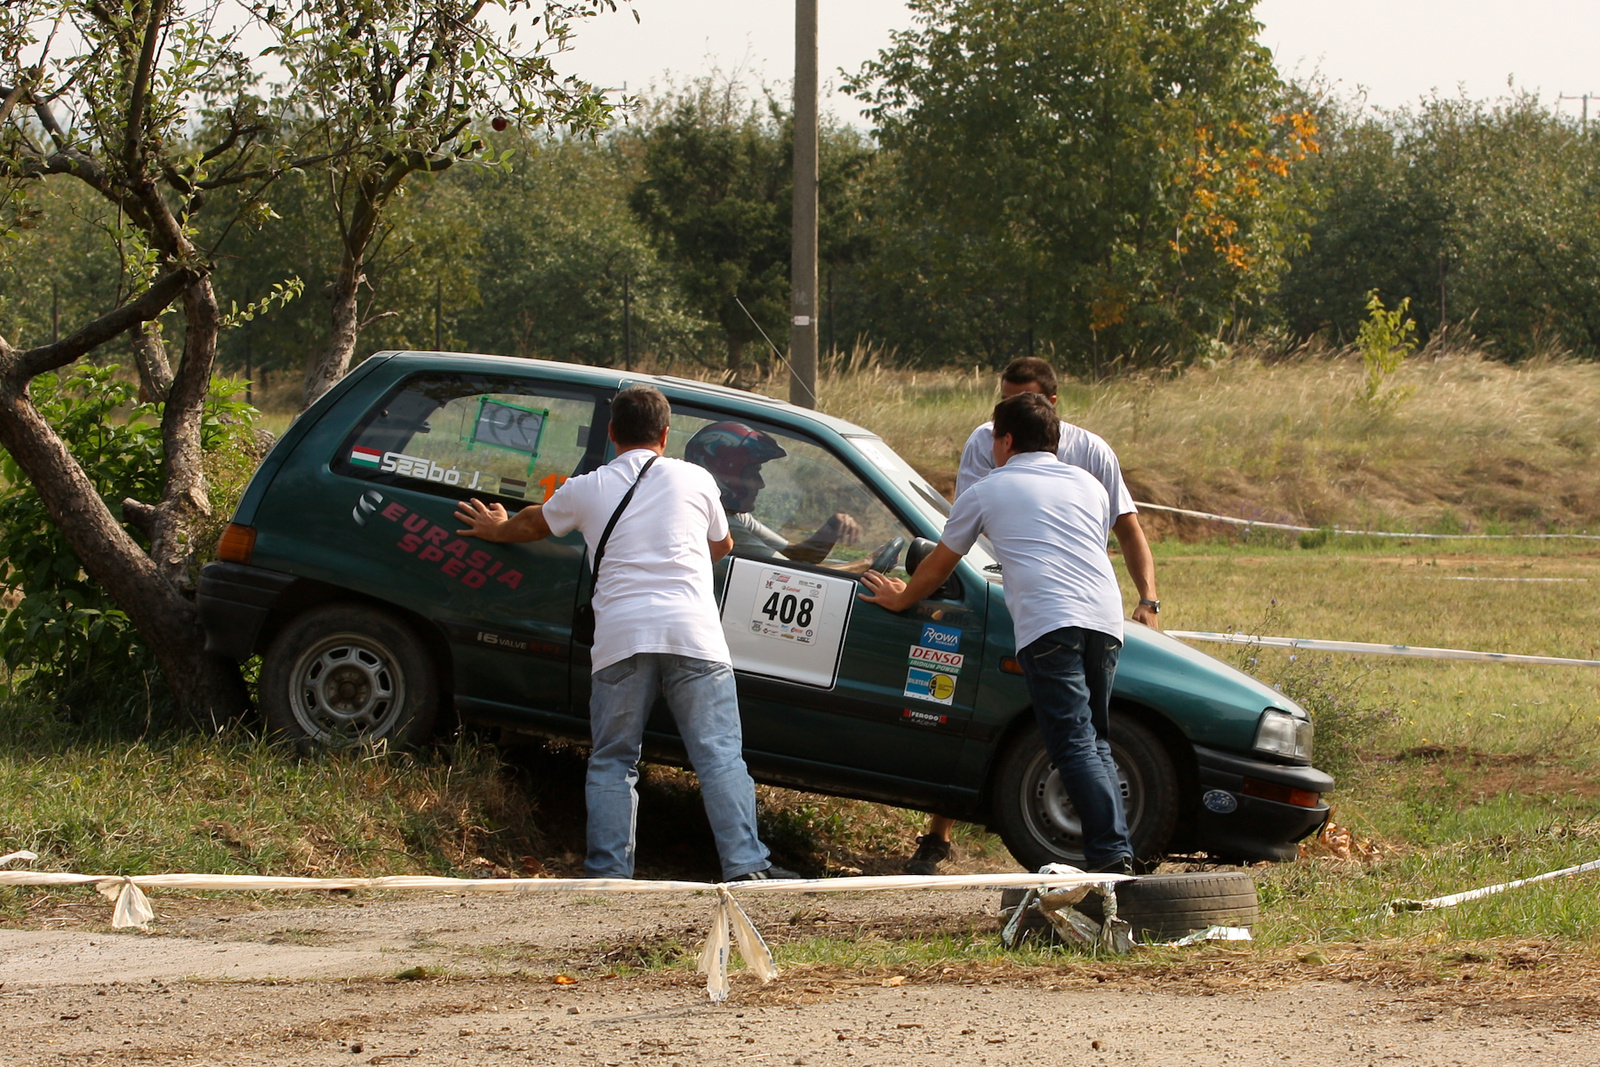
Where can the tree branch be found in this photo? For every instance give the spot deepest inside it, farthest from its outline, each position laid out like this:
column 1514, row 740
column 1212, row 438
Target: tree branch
column 153, row 302
column 141, row 85
column 12, row 94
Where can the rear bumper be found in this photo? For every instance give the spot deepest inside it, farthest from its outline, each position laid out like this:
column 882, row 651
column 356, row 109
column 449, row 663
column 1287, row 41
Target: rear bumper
column 234, row 602
column 1232, row 823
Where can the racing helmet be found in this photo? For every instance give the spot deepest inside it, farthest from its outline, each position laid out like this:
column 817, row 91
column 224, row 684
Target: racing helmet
column 727, row 449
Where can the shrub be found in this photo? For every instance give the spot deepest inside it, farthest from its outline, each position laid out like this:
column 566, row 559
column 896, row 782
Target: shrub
column 65, row 644
column 1385, row 339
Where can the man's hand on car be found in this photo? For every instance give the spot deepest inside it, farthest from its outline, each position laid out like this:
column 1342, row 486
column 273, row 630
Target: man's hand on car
column 929, row 577
column 888, row 593
column 482, row 520
column 491, row 522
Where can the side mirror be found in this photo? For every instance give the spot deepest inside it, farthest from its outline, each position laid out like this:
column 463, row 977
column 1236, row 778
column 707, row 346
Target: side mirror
column 918, row 551
column 920, row 547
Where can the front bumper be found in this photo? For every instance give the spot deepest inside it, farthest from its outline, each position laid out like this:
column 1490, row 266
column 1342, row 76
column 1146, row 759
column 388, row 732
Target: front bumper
column 1232, row 823
column 234, row 602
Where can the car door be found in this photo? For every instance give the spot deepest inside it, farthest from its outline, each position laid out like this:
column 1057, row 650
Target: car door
column 506, row 609
column 831, row 689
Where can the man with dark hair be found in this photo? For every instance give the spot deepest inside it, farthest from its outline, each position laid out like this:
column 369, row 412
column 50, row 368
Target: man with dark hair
column 657, row 632
column 1077, row 448
column 639, row 415
column 1048, row 523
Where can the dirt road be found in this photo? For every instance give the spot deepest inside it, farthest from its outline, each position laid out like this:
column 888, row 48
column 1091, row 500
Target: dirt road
column 488, row 982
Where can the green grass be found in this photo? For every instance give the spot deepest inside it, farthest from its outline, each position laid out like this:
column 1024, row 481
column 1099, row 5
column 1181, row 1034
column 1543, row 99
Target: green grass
column 233, row 804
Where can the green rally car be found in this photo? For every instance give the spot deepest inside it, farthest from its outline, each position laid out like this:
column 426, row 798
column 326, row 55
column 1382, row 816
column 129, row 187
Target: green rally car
column 342, row 569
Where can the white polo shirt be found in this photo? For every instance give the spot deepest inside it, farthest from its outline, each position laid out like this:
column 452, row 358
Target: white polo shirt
column 1048, row 522
column 655, row 592
column 1079, row 448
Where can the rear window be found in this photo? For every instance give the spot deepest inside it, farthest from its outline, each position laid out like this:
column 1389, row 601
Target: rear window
column 474, row 435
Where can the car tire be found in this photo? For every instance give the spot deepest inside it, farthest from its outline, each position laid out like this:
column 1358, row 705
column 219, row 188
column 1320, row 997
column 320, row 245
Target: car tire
column 1162, row 907
column 1036, row 821
column 346, row 675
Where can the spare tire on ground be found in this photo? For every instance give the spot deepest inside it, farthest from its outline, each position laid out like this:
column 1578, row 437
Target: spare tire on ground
column 1163, row 907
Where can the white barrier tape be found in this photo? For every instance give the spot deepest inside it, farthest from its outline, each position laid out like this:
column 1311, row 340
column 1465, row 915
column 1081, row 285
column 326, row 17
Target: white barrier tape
column 1395, row 906
column 1415, row 651
column 1479, row 578
column 23, row 855
column 730, row 925
column 1362, row 533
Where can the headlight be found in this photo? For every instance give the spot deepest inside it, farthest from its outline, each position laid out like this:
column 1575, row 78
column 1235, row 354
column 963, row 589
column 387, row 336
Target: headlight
column 1285, row 736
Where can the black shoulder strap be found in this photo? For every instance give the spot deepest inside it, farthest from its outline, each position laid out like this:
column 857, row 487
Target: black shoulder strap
column 600, row 549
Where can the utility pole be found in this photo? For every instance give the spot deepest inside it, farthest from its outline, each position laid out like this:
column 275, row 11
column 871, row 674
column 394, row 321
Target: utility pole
column 1585, row 98
column 627, row 326
column 803, row 265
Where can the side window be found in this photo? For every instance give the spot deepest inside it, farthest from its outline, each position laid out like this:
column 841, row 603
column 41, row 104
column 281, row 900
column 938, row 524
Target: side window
column 787, row 497
column 475, row 435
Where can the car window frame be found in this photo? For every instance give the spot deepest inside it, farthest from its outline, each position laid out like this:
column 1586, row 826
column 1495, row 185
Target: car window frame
column 594, row 447
column 849, row 462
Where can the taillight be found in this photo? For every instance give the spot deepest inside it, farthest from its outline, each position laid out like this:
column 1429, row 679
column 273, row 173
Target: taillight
column 237, row 543
column 1283, row 794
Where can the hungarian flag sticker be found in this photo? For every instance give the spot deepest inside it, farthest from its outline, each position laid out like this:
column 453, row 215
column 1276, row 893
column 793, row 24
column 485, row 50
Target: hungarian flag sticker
column 366, row 457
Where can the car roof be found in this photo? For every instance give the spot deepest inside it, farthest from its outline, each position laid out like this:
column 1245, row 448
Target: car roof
column 609, row 377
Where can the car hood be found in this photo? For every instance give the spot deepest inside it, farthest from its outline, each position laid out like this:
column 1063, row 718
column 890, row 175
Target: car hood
column 1212, row 703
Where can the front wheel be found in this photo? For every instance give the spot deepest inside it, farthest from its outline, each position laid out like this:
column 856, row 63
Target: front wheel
column 1037, row 821
column 345, row 675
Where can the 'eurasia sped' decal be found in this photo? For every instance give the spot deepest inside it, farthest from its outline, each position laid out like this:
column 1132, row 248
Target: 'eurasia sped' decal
column 431, row 543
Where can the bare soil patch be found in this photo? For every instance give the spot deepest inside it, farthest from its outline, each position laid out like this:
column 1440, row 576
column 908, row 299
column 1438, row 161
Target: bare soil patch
column 549, row 980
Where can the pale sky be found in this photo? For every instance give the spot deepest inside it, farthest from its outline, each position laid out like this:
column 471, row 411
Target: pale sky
column 1397, row 50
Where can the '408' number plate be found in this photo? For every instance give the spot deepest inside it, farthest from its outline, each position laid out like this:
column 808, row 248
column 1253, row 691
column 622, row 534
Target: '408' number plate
column 787, row 607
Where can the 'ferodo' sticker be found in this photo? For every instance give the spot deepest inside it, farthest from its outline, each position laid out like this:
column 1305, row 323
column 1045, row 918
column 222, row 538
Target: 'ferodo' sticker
column 930, row 685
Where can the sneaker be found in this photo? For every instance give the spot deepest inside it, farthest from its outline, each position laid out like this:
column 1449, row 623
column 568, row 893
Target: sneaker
column 1120, row 865
column 771, row 874
column 932, row 850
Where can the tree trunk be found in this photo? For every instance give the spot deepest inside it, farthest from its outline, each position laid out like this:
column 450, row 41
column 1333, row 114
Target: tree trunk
column 150, row 352
column 735, row 360
column 325, row 369
column 205, row 688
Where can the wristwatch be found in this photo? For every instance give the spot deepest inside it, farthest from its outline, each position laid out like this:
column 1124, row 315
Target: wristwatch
column 1153, row 605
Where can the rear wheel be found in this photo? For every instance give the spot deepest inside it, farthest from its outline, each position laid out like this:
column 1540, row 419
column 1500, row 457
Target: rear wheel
column 345, row 675
column 1037, row 821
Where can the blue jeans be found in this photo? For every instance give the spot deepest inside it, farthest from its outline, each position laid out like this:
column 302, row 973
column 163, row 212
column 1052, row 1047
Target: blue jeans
column 705, row 705
column 1069, row 673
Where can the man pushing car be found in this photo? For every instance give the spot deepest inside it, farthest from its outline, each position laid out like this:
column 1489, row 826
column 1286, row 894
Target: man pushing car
column 1048, row 523
column 653, row 526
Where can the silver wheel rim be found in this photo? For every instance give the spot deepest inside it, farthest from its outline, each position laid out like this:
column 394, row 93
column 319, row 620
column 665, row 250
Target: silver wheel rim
column 346, row 689
column 1049, row 815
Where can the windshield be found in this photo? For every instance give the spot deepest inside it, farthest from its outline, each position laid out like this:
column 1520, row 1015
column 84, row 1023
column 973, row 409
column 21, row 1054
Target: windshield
column 924, row 497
